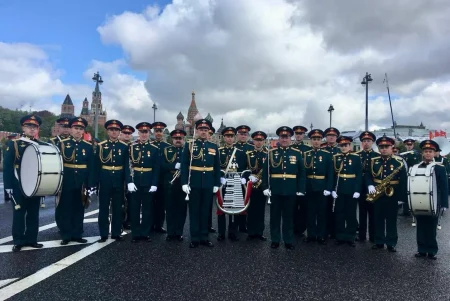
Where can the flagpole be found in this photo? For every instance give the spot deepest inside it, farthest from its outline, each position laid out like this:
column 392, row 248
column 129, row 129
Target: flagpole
column 390, row 103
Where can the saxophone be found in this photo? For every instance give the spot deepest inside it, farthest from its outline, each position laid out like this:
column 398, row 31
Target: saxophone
column 384, row 188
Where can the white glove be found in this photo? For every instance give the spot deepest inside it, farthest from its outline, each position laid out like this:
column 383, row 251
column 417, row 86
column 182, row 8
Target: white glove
column 371, row 189
column 326, row 193
column 186, row 189
column 356, row 195
column 445, row 209
column 9, row 191
column 300, row 194
column 243, row 181
column 253, row 179
column 334, row 194
column 177, row 166
column 215, row 189
column 132, row 187
column 223, row 181
column 92, row 191
column 153, row 189
column 267, row 192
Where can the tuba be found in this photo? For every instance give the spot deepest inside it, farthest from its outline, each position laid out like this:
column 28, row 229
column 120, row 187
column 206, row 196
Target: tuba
column 235, row 198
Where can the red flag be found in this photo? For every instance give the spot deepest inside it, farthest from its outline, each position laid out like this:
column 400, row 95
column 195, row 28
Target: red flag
column 442, row 133
column 436, row 133
column 87, row 136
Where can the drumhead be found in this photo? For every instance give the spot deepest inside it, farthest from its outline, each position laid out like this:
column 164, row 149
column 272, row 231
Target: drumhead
column 29, row 170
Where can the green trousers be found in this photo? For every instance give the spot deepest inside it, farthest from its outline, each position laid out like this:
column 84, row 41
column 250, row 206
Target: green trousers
column 199, row 205
column 176, row 208
column 256, row 213
column 141, row 199
column 25, row 226
column 282, row 212
column 70, row 213
column 426, row 234
column 317, row 214
column 345, row 217
column 385, row 217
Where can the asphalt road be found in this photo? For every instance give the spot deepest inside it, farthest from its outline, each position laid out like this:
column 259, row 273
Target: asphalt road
column 241, row 270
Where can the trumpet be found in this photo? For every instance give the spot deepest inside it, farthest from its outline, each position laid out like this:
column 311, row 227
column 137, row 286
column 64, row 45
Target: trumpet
column 175, row 176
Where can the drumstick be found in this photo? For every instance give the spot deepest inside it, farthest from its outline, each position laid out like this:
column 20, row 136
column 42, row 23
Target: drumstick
column 190, row 163
column 16, row 206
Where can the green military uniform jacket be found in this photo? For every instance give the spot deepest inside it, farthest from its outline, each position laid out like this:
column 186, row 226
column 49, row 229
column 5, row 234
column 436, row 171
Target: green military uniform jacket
column 113, row 163
column 319, row 170
column 256, row 160
column 145, row 164
column 287, row 173
column 347, row 167
column 441, row 183
column 332, row 149
column 239, row 158
column 381, row 168
column 57, row 139
column 78, row 160
column 412, row 158
column 244, row 146
column 301, row 146
column 444, row 162
column 171, row 156
column 205, row 167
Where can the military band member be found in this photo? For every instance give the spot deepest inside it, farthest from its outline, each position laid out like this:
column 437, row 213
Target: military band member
column 159, row 214
column 287, row 179
column 346, row 192
column 385, row 208
column 145, row 169
column 366, row 208
column 176, row 206
column 113, row 170
column 331, row 134
column 63, row 131
column 25, row 210
column 319, row 184
column 412, row 157
column 200, row 175
column 301, row 209
column 442, row 161
column 79, row 169
column 232, row 159
column 243, row 132
column 257, row 208
column 211, row 132
column 126, row 136
column 426, row 225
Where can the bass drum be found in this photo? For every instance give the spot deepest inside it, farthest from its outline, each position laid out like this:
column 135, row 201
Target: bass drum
column 41, row 170
column 422, row 189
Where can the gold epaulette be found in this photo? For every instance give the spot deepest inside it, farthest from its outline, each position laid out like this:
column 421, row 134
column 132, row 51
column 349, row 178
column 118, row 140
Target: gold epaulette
column 324, row 150
column 87, row 142
column 221, row 147
column 354, row 154
column 250, row 151
column 358, row 152
column 103, row 142
column 274, row 149
column 156, row 146
column 308, row 151
column 64, row 139
column 376, row 158
column 296, row 149
column 239, row 149
column 124, row 143
column 338, row 154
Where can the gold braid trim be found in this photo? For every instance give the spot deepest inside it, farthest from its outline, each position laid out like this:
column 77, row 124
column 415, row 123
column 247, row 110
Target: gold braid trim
column 275, row 164
column 132, row 155
column 200, row 154
column 336, row 169
column 16, row 150
column 100, row 154
column 167, row 158
column 371, row 169
column 306, row 165
column 256, row 166
column 68, row 159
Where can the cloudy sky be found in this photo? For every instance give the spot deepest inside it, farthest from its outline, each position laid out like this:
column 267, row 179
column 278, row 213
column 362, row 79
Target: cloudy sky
column 265, row 63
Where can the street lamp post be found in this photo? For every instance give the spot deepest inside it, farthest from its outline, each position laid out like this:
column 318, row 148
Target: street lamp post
column 330, row 109
column 311, row 126
column 154, row 107
column 98, row 80
column 366, row 80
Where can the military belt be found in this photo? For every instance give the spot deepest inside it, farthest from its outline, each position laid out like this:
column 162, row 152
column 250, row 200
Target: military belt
column 283, row 176
column 316, row 177
column 196, row 168
column 142, row 169
column 112, row 167
column 391, row 182
column 347, row 176
column 81, row 166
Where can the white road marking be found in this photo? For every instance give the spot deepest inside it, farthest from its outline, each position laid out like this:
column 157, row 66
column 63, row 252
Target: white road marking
column 46, row 272
column 7, row 281
column 50, row 244
column 46, row 227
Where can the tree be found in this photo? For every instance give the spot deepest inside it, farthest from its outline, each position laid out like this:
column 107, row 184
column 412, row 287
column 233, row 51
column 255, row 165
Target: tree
column 102, row 135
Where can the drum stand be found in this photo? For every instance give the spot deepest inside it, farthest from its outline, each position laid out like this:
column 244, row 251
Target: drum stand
column 42, row 202
column 414, row 221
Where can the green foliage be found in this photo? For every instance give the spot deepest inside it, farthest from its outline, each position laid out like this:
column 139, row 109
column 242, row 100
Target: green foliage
column 10, row 121
column 102, row 135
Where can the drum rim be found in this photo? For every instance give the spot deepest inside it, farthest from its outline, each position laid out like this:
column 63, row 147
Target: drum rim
column 435, row 210
column 39, row 171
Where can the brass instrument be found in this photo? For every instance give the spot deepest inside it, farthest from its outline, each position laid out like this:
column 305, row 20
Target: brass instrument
column 384, row 187
column 259, row 177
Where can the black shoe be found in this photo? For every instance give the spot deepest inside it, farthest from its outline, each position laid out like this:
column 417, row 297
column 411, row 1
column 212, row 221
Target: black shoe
column 392, row 249
column 339, row 242
column 146, row 238
column 377, row 247
column 250, row 237
column 351, row 244
column 432, row 256
column 206, row 243
column 160, row 230
column 180, row 237
column 103, row 239
column 274, row 245
column 135, row 240
column 65, row 242
column 262, row 238
column 17, row 248
column 169, row 237
column 35, row 245
column 243, row 230
column 212, row 230
column 117, row 238
column 220, row 237
column 80, row 240
column 233, row 237
column 420, row 254
column 309, row 239
column 193, row 244
column 289, row 246
column 126, row 226
column 322, row 241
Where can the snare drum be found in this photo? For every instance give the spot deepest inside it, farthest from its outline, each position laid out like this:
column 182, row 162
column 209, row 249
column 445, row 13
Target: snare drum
column 422, row 189
column 41, row 170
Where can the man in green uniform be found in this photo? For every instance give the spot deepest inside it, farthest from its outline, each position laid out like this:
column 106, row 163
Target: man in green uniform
column 426, row 225
column 113, row 171
column 385, row 208
column 176, row 206
column 256, row 159
column 331, row 134
column 412, row 157
column 442, row 161
column 126, row 136
column 301, row 209
column 319, row 184
column 26, row 210
column 366, row 208
column 145, row 165
column 243, row 132
column 159, row 212
column 232, row 159
column 200, row 175
column 63, row 131
column 79, row 168
column 287, row 179
column 211, row 132
column 347, row 184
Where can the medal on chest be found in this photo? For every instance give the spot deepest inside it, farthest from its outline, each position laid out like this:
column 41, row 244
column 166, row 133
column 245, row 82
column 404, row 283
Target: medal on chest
column 148, row 153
